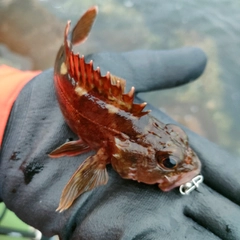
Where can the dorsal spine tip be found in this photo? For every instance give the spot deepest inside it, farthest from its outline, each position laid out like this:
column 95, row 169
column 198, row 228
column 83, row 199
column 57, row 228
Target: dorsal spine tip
column 131, row 92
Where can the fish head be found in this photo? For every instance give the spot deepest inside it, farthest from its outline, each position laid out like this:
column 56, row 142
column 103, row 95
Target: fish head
column 162, row 157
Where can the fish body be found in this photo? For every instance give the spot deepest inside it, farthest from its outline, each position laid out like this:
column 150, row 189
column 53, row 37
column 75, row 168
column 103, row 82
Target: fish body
column 138, row 146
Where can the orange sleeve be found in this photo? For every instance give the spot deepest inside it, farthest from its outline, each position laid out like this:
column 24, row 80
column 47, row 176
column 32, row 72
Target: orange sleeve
column 11, row 83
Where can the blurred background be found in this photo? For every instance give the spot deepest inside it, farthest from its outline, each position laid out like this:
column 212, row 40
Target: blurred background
column 31, row 32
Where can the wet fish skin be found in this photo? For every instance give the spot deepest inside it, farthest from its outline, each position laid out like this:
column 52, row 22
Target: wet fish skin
column 95, row 107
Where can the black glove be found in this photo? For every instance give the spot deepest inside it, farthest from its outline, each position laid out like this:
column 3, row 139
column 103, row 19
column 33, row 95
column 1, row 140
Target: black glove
column 31, row 182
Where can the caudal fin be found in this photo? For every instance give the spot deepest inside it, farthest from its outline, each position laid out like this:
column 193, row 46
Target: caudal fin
column 83, row 27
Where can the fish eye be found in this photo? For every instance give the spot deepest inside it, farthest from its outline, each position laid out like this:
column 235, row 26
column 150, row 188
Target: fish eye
column 169, row 162
column 166, row 160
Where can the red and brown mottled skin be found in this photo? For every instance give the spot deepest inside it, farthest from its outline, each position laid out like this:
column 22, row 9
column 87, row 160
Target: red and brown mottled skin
column 138, row 146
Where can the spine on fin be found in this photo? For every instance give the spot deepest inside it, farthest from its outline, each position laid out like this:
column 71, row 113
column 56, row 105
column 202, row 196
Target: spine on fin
column 87, row 78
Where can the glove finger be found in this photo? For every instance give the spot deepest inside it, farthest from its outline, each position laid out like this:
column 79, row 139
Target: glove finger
column 212, row 207
column 152, row 70
column 143, row 211
column 215, row 213
column 219, row 168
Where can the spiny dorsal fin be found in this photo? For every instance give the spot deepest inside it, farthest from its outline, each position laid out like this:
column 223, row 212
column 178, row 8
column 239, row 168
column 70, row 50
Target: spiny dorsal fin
column 87, row 78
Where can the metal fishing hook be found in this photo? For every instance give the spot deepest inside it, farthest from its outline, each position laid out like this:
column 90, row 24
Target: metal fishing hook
column 188, row 187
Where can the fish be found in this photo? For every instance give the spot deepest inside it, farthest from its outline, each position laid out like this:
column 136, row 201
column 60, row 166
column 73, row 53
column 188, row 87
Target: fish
column 106, row 119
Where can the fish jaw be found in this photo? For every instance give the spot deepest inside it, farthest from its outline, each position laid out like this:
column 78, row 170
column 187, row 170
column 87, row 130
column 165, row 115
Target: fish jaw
column 168, row 182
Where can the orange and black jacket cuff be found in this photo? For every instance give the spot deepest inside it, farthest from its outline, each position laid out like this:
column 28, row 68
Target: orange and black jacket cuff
column 11, row 83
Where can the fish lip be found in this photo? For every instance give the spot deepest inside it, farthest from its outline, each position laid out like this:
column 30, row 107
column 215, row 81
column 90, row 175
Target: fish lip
column 170, row 182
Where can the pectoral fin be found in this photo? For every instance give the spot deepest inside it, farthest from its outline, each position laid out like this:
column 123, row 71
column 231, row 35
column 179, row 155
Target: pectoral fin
column 71, row 148
column 91, row 173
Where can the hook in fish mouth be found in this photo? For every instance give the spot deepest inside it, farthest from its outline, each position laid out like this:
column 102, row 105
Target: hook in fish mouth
column 188, row 187
column 169, row 182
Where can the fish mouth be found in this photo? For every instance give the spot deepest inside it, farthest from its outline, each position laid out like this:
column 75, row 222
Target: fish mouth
column 168, row 182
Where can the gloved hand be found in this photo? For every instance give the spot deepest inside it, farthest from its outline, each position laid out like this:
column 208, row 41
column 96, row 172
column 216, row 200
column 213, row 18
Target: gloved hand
column 31, row 183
